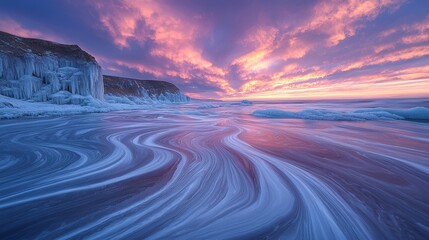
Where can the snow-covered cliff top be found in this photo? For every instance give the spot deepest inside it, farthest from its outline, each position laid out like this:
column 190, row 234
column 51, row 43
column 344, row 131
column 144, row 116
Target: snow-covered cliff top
column 19, row 46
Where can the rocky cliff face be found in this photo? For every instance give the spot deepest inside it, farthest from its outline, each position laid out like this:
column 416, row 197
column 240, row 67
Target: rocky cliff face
column 46, row 71
column 144, row 89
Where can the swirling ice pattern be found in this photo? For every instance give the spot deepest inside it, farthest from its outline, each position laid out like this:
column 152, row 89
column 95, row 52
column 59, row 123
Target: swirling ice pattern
column 135, row 175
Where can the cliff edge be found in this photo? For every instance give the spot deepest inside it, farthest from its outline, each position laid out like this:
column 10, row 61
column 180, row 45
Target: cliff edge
column 153, row 90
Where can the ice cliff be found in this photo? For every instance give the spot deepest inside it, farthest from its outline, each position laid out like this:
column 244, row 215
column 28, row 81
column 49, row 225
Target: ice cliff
column 39, row 70
column 140, row 91
column 37, row 75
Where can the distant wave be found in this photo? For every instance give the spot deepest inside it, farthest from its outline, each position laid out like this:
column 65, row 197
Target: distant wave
column 417, row 113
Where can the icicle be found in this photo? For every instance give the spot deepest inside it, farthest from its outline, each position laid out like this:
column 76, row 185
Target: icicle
column 36, row 77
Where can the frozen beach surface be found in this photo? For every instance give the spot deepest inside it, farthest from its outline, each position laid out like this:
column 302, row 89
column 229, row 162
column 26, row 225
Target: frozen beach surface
column 179, row 171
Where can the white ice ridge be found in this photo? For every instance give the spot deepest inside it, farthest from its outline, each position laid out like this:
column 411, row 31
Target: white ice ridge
column 416, row 113
column 146, row 98
column 48, row 77
column 16, row 108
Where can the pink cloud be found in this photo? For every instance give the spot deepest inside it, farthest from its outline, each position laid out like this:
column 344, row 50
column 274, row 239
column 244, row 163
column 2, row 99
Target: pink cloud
column 174, row 38
column 341, row 19
column 274, row 54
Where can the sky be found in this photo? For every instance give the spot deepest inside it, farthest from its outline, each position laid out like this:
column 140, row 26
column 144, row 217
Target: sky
column 236, row 49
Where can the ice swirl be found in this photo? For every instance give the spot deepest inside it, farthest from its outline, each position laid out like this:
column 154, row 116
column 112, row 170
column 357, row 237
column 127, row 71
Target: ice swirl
column 142, row 175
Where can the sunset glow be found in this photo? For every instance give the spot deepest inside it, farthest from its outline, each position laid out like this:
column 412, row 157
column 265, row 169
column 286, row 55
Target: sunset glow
column 214, row 119
column 246, row 49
